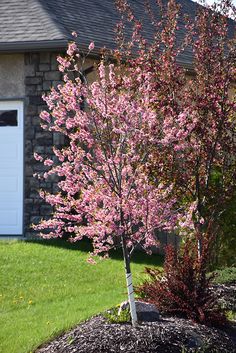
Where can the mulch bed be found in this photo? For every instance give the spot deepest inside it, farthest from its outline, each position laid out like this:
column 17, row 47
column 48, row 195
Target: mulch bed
column 166, row 336
column 169, row 335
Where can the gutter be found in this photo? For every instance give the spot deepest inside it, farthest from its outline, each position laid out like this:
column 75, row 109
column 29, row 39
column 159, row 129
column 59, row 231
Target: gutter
column 58, row 45
column 24, row 46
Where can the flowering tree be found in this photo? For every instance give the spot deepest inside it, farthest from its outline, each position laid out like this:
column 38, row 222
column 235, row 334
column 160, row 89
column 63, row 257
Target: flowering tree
column 195, row 143
column 105, row 194
column 151, row 148
column 202, row 137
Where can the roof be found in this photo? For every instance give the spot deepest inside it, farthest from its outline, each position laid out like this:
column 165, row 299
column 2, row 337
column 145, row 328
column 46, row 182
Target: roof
column 47, row 24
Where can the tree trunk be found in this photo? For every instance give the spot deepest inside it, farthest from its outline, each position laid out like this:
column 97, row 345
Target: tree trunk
column 129, row 283
column 199, row 248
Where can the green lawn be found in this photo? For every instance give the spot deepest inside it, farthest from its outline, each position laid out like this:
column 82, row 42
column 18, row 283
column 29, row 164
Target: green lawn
column 48, row 287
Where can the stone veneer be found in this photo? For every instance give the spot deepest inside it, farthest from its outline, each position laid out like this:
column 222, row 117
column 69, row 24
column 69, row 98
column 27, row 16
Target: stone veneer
column 40, row 75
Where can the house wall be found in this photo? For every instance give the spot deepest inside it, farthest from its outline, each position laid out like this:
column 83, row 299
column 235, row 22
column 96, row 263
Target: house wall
column 12, row 76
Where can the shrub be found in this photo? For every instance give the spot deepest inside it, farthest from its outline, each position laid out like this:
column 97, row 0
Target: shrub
column 183, row 287
column 226, row 275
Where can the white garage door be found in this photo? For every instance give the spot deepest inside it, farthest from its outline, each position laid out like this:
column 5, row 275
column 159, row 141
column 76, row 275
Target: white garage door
column 11, row 167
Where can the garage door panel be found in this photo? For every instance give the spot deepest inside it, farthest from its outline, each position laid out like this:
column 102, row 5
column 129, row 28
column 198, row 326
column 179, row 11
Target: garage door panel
column 9, row 217
column 8, row 184
column 11, row 167
column 9, row 152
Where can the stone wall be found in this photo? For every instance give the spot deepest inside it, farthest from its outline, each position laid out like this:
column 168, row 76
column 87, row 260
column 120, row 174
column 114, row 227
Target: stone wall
column 40, row 75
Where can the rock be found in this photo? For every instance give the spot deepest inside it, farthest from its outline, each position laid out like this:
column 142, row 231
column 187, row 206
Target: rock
column 145, row 311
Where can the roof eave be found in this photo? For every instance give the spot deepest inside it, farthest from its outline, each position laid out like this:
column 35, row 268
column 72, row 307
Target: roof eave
column 55, row 45
column 24, row 46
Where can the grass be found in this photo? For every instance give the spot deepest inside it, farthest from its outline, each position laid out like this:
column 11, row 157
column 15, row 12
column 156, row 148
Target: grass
column 48, row 287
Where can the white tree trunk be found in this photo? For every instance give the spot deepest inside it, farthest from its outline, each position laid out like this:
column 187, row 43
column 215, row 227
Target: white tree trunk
column 131, row 299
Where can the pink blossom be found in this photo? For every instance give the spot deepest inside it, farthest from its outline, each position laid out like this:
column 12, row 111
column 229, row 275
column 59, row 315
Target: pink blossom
column 91, row 46
column 72, row 48
column 48, row 162
column 44, row 115
column 38, row 157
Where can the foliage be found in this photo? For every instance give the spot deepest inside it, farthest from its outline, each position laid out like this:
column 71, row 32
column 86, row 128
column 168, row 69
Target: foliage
column 113, row 317
column 225, row 275
column 226, row 240
column 183, row 288
column 194, row 148
column 231, row 315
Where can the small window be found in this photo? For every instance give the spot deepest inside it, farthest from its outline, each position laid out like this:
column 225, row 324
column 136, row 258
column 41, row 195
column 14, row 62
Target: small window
column 8, row 117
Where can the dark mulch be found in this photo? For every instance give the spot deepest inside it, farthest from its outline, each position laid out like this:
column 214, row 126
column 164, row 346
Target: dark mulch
column 166, row 336
column 169, row 335
column 226, row 294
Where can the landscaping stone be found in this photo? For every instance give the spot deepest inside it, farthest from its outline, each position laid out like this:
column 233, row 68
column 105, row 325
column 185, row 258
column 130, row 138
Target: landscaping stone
column 145, row 311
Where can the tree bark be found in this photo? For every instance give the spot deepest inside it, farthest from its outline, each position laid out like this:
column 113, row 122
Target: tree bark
column 129, row 283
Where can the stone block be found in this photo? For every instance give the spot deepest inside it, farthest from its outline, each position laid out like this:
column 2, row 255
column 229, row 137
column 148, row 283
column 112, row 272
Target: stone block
column 39, row 74
column 28, row 171
column 52, row 76
column 48, row 150
column 46, row 210
column 38, row 127
column 35, row 121
column 47, row 85
column 56, row 83
column 58, row 139
column 35, row 219
column 44, row 58
column 39, row 89
column 34, row 183
column 55, row 188
column 29, row 132
column 41, row 108
column 31, row 209
column 31, row 109
column 54, row 62
column 28, row 205
column 39, row 149
column 44, row 67
column 35, row 100
column 43, row 138
column 30, row 70
column 145, row 311
column 33, row 80
column 30, row 89
column 40, row 168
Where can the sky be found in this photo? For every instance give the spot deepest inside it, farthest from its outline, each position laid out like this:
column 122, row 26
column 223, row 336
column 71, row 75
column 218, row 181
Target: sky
column 211, row 1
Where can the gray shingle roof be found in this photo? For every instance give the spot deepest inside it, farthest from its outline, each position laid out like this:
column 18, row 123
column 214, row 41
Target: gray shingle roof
column 42, row 24
column 26, row 20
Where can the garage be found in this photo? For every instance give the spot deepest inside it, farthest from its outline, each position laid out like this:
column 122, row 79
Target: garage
column 11, row 167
